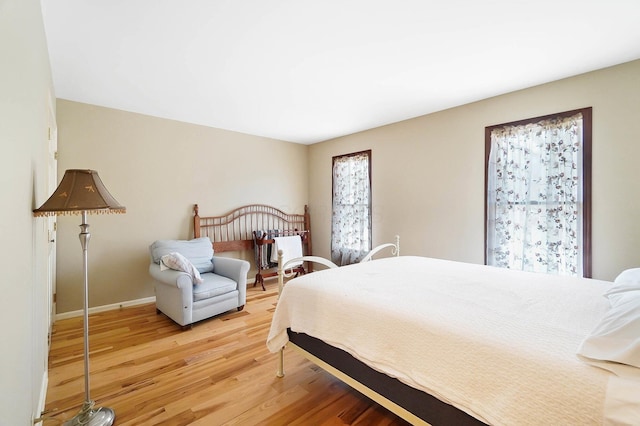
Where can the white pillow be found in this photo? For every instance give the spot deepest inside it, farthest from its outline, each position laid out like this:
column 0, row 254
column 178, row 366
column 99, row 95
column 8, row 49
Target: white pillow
column 178, row 262
column 629, row 275
column 617, row 337
column 627, row 281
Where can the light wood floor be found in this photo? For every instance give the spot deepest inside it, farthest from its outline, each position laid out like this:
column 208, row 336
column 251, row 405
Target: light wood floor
column 220, row 372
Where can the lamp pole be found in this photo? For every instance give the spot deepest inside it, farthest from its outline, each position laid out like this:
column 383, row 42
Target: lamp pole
column 102, row 416
column 85, row 236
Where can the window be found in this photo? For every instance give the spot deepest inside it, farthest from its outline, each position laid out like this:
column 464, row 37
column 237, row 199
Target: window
column 351, row 210
column 538, row 194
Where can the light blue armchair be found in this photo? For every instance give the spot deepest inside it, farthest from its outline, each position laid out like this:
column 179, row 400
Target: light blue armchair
column 223, row 285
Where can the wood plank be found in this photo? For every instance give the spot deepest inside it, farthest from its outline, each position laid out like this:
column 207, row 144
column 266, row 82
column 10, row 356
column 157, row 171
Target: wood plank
column 219, row 372
column 237, row 245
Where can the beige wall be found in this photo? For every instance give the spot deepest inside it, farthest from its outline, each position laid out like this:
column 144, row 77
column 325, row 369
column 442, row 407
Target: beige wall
column 26, row 114
column 428, row 179
column 158, row 169
column 428, row 172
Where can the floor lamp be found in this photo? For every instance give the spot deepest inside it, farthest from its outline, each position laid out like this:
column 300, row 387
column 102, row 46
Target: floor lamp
column 82, row 192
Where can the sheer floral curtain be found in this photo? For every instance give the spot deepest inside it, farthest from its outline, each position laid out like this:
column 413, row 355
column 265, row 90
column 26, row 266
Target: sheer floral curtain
column 534, row 197
column 351, row 214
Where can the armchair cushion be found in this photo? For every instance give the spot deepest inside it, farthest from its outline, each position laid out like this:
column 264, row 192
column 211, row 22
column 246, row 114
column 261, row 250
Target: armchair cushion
column 198, row 251
column 213, row 285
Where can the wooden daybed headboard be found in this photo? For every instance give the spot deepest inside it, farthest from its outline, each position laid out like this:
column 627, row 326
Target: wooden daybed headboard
column 234, row 231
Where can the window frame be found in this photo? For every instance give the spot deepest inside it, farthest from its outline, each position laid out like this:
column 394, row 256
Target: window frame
column 335, row 158
column 587, row 141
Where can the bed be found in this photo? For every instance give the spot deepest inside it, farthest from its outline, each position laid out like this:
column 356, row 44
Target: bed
column 252, row 228
column 442, row 342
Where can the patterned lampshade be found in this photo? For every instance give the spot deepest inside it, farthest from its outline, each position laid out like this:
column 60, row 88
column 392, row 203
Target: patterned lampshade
column 80, row 190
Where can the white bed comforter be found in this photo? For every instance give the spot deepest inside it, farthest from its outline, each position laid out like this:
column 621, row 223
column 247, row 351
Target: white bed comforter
column 498, row 344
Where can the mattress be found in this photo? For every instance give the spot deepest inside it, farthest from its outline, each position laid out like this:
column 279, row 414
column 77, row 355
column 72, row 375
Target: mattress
column 497, row 344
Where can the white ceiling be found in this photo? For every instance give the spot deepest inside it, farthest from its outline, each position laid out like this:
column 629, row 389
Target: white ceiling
column 307, row 71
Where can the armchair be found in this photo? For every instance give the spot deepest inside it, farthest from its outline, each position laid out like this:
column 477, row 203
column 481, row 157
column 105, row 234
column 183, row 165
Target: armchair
column 223, row 283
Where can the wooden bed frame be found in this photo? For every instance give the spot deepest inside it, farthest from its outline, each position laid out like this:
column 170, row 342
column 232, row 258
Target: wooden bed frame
column 236, row 231
column 413, row 405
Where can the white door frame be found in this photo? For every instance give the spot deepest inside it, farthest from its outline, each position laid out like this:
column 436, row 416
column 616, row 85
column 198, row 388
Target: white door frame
column 52, row 184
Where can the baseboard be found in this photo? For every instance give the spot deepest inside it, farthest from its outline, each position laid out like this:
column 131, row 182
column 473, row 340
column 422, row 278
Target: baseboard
column 42, row 400
column 96, row 309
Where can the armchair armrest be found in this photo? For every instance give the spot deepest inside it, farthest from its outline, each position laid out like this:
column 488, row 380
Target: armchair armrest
column 171, row 277
column 174, row 293
column 235, row 269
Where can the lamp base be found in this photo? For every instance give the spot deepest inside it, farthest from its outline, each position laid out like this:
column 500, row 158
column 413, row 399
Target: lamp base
column 101, row 416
